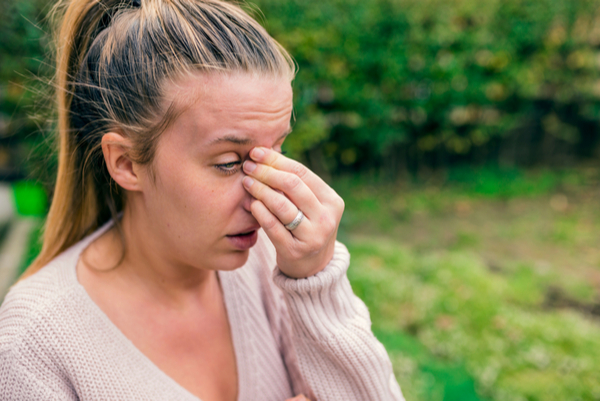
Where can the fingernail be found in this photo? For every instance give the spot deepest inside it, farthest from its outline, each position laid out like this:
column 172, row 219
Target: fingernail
column 257, row 153
column 247, row 181
column 249, row 166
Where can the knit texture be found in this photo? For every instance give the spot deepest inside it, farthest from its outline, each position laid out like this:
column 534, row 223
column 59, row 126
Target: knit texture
column 290, row 336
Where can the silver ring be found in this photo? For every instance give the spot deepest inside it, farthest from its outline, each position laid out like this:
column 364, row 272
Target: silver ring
column 296, row 222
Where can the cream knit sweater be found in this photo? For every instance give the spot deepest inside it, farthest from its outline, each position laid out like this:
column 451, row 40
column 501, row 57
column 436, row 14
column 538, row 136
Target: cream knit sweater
column 290, row 336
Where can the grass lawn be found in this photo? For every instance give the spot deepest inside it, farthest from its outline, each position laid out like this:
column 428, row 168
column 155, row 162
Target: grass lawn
column 484, row 289
column 482, row 286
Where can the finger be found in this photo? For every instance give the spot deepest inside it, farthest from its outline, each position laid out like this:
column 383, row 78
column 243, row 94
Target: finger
column 274, row 229
column 291, row 185
column 322, row 191
column 279, row 206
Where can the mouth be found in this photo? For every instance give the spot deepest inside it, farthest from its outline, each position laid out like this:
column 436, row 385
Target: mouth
column 242, row 234
column 245, row 239
column 245, row 233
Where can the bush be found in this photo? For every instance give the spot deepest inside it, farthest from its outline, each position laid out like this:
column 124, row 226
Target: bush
column 24, row 71
column 395, row 85
column 405, row 84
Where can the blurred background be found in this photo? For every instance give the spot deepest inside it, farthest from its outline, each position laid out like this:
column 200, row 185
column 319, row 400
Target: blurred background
column 464, row 137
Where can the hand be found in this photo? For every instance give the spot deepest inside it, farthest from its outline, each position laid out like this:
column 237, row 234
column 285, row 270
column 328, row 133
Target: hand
column 281, row 187
column 300, row 397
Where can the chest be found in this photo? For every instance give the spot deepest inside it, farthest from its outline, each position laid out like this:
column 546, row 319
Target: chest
column 197, row 353
column 212, row 357
column 192, row 345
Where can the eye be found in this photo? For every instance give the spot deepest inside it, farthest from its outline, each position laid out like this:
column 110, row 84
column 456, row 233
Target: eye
column 228, row 168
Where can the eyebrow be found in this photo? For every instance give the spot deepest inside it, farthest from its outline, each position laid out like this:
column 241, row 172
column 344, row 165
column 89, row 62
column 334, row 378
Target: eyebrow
column 243, row 141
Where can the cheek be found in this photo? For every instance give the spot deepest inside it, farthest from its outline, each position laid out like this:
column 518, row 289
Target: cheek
column 178, row 178
column 196, row 194
column 221, row 195
column 191, row 191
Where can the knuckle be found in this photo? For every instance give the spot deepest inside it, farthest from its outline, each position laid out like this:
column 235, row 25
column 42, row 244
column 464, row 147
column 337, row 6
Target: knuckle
column 280, row 204
column 291, row 182
column 299, row 170
column 270, row 223
column 327, row 222
column 339, row 203
column 330, row 225
column 322, row 217
column 336, row 201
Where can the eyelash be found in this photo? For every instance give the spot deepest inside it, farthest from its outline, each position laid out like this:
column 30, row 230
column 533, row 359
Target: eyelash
column 226, row 167
column 223, row 168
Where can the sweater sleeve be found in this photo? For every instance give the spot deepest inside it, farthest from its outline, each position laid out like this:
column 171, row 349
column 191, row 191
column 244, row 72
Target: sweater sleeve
column 28, row 369
column 19, row 383
column 337, row 353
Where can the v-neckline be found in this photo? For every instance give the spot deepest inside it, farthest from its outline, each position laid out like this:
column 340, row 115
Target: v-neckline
column 226, row 280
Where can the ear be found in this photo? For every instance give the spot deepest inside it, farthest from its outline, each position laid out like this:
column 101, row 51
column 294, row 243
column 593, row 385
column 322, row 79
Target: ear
column 121, row 168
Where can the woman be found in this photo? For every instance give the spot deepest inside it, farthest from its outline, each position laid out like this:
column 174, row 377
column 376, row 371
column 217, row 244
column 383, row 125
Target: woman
column 156, row 281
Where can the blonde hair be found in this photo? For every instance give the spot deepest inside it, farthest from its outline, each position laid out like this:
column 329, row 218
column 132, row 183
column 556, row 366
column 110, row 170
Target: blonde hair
column 113, row 59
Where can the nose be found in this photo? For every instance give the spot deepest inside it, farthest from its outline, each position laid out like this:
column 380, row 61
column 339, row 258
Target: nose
column 247, row 199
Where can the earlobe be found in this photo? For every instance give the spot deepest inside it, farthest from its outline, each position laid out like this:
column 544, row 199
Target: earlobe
column 115, row 148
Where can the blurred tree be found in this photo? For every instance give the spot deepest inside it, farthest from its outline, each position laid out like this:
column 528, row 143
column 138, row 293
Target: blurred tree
column 404, row 85
column 386, row 85
column 24, row 78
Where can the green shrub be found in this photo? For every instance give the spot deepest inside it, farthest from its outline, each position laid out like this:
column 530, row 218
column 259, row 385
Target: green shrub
column 24, row 75
column 395, row 84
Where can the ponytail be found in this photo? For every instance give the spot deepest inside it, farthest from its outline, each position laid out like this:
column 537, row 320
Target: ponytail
column 75, row 208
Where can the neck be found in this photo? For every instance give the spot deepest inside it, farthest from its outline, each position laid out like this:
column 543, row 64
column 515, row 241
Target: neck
column 150, row 267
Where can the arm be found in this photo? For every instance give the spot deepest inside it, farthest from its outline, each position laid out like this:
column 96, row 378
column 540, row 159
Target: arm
column 338, row 355
column 19, row 383
column 28, row 371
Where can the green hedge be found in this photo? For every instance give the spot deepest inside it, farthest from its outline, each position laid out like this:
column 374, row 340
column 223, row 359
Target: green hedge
column 395, row 85
column 407, row 84
column 24, row 74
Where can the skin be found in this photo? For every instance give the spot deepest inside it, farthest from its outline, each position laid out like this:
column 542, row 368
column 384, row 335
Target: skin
column 218, row 172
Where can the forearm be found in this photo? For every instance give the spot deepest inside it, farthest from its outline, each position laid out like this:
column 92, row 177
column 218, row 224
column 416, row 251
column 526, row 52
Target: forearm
column 338, row 354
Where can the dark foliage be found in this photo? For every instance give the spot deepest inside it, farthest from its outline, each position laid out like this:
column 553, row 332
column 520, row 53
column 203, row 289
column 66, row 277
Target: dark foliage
column 389, row 86
column 407, row 85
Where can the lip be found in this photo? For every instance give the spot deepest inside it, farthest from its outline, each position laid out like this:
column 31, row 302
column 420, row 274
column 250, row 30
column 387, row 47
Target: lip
column 245, row 231
column 243, row 242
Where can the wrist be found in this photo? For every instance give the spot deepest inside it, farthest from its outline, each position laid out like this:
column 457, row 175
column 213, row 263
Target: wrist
column 309, row 268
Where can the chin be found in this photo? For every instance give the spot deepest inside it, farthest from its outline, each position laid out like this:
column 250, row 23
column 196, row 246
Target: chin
column 233, row 260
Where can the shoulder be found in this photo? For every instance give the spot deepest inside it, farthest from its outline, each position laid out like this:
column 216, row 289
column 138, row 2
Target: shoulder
column 34, row 305
column 33, row 319
column 47, row 302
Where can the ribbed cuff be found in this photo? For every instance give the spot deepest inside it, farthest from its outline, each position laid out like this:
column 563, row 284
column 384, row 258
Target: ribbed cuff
column 322, row 305
column 336, row 268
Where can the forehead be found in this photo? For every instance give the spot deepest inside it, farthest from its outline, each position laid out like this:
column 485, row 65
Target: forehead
column 213, row 105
